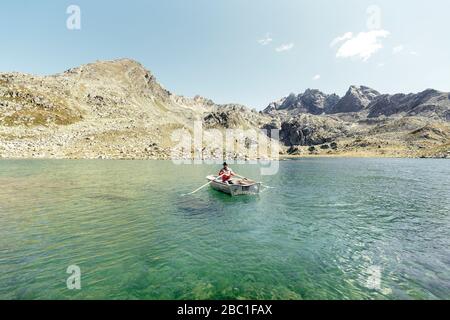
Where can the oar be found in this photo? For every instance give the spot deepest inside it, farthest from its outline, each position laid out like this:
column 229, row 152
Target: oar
column 202, row 187
column 264, row 185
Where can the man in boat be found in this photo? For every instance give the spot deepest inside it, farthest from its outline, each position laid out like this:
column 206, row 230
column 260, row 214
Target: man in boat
column 226, row 173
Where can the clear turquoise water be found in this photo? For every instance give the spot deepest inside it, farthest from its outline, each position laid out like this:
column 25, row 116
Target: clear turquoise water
column 318, row 235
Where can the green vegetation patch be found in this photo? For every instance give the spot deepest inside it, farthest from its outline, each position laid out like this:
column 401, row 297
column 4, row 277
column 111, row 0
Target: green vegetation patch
column 36, row 109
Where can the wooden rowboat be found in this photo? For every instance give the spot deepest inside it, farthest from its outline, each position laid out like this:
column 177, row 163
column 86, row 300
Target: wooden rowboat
column 237, row 187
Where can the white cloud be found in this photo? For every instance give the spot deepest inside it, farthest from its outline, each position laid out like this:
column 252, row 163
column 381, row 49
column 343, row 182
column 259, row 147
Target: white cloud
column 316, row 77
column 285, row 47
column 381, row 65
column 266, row 40
column 401, row 48
column 398, row 49
column 361, row 46
column 336, row 40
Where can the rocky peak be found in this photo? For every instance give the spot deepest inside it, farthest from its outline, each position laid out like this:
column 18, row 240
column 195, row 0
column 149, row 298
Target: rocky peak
column 109, row 67
column 289, row 102
column 312, row 101
column 114, row 76
column 430, row 103
column 356, row 99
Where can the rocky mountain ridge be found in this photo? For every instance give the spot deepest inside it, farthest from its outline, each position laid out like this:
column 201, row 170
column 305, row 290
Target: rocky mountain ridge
column 311, row 101
column 364, row 123
column 107, row 109
column 371, row 104
column 118, row 110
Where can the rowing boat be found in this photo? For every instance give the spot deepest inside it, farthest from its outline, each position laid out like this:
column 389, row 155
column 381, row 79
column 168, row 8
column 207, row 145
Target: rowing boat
column 236, row 187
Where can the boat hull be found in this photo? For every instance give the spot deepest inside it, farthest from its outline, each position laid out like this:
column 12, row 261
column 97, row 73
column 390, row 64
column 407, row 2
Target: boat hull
column 235, row 189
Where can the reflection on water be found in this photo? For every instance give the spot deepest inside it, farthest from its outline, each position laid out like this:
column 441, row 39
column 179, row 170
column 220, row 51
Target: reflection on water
column 331, row 229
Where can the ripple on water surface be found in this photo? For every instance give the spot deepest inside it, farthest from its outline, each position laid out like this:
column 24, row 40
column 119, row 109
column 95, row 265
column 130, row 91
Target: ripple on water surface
column 330, row 229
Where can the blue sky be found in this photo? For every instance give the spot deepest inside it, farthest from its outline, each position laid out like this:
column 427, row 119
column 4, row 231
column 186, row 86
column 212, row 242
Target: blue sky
column 245, row 51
